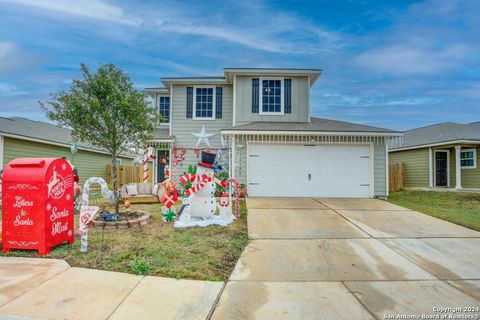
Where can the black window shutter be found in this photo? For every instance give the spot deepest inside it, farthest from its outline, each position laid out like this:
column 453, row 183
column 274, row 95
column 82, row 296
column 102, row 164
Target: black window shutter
column 255, row 95
column 287, row 96
column 189, row 102
column 218, row 103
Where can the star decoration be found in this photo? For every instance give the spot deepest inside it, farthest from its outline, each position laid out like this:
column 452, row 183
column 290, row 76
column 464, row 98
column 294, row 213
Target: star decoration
column 68, row 197
column 49, row 206
column 64, row 167
column 203, row 137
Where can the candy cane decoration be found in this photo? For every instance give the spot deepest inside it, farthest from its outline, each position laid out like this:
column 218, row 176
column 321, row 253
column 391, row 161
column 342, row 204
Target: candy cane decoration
column 147, row 154
column 237, row 196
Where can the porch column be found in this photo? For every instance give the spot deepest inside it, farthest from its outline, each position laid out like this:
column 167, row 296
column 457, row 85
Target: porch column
column 430, row 169
column 458, row 169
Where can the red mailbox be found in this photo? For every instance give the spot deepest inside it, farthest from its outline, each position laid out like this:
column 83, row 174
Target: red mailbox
column 37, row 204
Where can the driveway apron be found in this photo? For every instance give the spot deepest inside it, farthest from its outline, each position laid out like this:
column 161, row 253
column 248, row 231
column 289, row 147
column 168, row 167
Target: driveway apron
column 349, row 259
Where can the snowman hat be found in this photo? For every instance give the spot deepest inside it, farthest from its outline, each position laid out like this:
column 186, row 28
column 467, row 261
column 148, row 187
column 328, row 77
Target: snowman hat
column 208, row 160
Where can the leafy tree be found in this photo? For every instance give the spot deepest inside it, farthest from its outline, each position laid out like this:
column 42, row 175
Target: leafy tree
column 105, row 110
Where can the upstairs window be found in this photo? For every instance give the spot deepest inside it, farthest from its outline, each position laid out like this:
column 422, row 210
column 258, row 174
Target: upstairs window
column 164, row 109
column 204, row 103
column 468, row 159
column 271, row 96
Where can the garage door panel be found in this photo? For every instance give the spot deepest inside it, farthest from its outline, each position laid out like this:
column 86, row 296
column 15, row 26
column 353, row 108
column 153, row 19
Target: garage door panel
column 302, row 171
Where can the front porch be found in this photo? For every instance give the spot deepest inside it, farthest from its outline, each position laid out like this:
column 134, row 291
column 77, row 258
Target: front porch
column 454, row 167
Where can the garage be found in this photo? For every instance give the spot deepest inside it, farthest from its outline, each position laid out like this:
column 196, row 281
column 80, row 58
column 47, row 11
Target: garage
column 275, row 170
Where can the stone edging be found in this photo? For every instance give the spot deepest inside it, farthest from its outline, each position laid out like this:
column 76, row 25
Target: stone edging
column 125, row 224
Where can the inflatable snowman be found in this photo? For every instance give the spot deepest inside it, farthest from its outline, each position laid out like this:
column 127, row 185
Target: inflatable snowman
column 202, row 196
column 224, row 209
column 200, row 206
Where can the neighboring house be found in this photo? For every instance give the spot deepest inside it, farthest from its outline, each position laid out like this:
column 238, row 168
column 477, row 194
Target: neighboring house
column 24, row 138
column 440, row 156
column 261, row 118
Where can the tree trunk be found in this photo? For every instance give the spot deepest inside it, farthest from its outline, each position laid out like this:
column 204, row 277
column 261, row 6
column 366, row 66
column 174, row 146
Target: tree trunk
column 115, row 182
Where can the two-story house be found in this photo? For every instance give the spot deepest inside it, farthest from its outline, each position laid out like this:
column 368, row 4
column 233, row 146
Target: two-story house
column 261, row 118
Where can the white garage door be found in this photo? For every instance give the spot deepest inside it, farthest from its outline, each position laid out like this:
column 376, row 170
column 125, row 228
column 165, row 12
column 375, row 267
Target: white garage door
column 309, row 171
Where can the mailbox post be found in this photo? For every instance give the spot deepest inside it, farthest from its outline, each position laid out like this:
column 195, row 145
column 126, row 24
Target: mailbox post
column 37, row 204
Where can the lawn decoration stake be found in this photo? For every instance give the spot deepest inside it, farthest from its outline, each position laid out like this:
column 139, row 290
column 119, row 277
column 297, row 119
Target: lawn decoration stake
column 237, row 195
column 201, row 195
column 147, row 155
column 88, row 212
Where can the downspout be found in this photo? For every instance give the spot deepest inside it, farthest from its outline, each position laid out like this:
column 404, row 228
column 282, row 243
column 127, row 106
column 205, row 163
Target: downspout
column 2, row 144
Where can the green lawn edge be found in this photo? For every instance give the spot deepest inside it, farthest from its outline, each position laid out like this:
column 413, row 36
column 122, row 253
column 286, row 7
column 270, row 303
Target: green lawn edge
column 462, row 208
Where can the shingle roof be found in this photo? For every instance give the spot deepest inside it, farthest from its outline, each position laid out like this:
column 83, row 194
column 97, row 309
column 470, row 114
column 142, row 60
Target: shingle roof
column 44, row 131
column 162, row 134
column 440, row 133
column 316, row 124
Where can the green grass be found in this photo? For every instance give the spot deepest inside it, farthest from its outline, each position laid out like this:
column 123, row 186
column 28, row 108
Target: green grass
column 208, row 253
column 458, row 207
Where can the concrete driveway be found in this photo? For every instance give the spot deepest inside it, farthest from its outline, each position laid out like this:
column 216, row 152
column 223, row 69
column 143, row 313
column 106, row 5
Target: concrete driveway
column 351, row 259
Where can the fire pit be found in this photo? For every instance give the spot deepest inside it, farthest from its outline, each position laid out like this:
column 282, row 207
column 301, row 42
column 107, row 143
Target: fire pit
column 125, row 221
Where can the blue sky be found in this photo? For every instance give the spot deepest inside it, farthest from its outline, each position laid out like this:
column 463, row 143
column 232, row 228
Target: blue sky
column 395, row 64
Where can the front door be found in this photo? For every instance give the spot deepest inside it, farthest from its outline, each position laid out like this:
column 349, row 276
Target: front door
column 441, row 169
column 163, row 160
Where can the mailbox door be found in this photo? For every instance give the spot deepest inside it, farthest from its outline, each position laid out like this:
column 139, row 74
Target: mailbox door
column 59, row 203
column 22, row 217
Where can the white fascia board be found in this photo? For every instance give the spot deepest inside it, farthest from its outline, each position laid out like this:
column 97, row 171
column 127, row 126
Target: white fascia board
column 193, row 81
column 156, row 90
column 436, row 144
column 60, row 144
column 313, row 74
column 310, row 133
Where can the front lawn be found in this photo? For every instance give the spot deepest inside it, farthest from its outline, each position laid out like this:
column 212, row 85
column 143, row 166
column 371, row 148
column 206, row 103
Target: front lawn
column 458, row 207
column 208, row 253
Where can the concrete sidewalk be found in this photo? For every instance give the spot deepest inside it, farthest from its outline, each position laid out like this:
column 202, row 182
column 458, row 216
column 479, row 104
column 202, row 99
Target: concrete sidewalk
column 350, row 259
column 51, row 289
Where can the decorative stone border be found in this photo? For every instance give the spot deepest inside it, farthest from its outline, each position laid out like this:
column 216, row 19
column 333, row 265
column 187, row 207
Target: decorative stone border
column 124, row 224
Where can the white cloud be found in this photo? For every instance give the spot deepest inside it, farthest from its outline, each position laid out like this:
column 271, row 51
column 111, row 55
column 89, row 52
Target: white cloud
column 6, row 48
column 8, row 90
column 285, row 32
column 411, row 59
column 94, row 9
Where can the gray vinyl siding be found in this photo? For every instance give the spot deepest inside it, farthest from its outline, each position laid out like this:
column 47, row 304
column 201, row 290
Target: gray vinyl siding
column 300, row 104
column 416, row 166
column 183, row 127
column 379, row 170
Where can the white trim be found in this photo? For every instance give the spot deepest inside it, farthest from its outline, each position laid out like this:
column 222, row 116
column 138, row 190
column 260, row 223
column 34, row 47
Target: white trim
column 437, row 144
column 234, row 116
column 430, row 167
column 214, row 109
column 14, row 136
column 387, row 178
column 474, row 166
column 458, row 168
column 371, row 188
column 171, row 109
column 157, row 100
column 200, row 82
column 308, row 102
column 260, row 97
column 233, row 146
column 311, row 133
column 435, row 167
column 2, row 144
